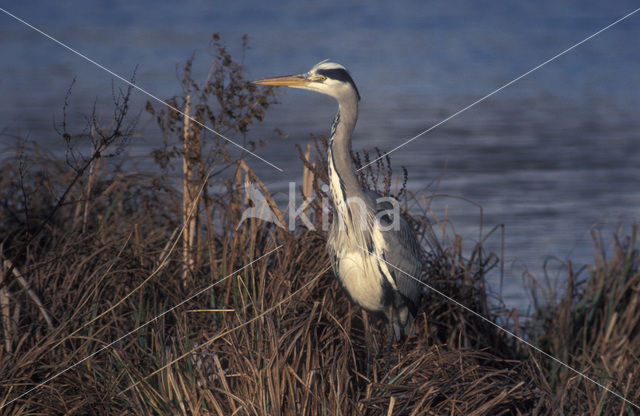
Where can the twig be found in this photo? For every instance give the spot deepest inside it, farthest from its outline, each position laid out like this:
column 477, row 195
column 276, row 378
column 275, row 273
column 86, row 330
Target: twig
column 25, row 285
column 6, row 318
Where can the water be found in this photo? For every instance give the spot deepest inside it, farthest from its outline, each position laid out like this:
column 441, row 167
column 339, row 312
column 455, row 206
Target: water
column 550, row 157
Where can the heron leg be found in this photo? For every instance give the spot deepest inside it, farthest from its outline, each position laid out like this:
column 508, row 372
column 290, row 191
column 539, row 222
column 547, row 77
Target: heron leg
column 390, row 316
column 367, row 340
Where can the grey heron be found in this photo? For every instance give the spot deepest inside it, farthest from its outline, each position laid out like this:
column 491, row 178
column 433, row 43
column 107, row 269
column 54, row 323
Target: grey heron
column 373, row 249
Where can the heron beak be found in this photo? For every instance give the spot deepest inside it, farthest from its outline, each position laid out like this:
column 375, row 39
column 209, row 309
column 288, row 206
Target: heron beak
column 288, row 80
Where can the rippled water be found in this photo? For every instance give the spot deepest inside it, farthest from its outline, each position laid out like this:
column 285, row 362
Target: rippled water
column 550, row 157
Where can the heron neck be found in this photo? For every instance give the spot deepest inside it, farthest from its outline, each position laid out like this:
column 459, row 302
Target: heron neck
column 339, row 149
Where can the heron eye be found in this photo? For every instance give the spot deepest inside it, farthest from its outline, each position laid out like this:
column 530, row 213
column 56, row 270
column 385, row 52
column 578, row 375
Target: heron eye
column 317, row 78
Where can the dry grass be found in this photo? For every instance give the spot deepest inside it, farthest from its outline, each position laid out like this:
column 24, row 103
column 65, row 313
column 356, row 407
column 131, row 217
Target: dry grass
column 594, row 326
column 277, row 337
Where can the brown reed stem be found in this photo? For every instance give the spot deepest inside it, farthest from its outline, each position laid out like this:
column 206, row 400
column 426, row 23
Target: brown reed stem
column 189, row 195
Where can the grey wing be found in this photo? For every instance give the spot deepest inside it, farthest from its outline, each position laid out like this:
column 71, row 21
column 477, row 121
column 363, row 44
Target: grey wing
column 403, row 250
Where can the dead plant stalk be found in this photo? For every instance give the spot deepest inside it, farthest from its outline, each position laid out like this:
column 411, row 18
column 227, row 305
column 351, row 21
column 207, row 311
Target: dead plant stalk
column 190, row 194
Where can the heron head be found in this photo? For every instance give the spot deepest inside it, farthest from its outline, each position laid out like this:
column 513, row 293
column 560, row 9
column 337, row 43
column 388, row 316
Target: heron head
column 325, row 77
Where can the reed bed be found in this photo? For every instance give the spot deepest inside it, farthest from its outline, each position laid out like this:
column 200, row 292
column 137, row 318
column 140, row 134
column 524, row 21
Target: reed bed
column 123, row 293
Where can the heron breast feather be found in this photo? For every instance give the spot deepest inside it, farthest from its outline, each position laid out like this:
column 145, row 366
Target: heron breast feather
column 361, row 279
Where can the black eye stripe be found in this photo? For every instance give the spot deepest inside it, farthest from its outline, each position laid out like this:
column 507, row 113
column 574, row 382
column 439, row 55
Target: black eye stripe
column 339, row 74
